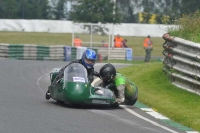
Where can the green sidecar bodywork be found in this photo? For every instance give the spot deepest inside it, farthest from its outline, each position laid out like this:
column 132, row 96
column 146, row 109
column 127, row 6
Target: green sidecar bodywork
column 74, row 88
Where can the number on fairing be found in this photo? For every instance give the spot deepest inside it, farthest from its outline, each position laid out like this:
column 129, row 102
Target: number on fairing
column 78, row 79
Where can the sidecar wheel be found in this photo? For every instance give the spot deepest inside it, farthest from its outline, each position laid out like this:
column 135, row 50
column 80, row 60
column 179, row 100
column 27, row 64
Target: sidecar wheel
column 132, row 102
column 116, row 105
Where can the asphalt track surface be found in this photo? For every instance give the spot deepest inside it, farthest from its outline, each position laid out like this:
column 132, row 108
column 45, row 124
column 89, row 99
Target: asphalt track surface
column 24, row 109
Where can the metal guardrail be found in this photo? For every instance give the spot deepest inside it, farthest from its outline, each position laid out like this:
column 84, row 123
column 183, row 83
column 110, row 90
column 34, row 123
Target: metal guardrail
column 182, row 63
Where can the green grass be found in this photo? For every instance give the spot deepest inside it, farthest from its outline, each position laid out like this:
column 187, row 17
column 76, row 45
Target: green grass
column 66, row 39
column 157, row 92
column 35, row 38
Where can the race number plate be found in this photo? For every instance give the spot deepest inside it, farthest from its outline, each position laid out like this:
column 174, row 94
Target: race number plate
column 78, row 79
column 99, row 101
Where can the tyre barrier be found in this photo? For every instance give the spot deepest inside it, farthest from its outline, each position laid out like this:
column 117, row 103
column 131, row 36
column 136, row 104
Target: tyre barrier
column 59, row 52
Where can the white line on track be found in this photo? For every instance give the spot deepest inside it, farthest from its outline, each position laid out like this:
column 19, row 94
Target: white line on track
column 38, row 82
column 154, row 113
column 146, row 119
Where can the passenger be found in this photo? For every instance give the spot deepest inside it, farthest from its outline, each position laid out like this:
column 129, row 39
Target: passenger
column 118, row 82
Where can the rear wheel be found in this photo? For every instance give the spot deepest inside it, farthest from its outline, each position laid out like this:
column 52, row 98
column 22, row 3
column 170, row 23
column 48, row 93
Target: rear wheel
column 132, row 102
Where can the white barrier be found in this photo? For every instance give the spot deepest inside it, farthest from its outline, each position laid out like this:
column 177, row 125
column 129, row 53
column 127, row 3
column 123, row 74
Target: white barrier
column 63, row 26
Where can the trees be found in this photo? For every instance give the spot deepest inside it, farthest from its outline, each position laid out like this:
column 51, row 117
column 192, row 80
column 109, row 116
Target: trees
column 126, row 8
column 58, row 9
column 24, row 9
column 8, row 9
column 173, row 8
column 95, row 11
column 36, row 9
column 189, row 6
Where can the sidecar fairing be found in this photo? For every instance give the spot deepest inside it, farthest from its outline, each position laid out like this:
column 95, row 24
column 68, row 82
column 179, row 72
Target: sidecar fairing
column 74, row 88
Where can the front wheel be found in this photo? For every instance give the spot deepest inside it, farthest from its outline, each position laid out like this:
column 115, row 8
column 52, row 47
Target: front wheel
column 47, row 95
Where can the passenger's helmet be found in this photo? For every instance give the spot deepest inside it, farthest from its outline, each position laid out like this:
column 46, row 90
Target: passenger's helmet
column 107, row 72
column 89, row 58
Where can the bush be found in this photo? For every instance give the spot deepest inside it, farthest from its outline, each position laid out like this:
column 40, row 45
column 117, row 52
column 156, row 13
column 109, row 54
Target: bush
column 189, row 27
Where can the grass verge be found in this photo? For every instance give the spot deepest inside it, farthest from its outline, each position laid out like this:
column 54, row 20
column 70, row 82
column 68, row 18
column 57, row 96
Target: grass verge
column 157, row 92
column 136, row 43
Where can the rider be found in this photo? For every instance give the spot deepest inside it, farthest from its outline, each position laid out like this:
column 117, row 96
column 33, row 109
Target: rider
column 88, row 60
column 118, row 81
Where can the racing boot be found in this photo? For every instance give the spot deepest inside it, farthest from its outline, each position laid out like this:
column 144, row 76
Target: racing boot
column 121, row 94
column 120, row 100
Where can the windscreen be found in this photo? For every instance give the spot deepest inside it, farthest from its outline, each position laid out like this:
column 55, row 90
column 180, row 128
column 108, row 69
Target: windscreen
column 75, row 72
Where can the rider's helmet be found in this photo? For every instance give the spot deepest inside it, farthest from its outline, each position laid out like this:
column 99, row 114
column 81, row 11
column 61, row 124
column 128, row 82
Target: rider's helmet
column 89, row 58
column 107, row 72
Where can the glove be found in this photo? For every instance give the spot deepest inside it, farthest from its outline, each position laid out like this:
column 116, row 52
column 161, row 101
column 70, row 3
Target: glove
column 96, row 74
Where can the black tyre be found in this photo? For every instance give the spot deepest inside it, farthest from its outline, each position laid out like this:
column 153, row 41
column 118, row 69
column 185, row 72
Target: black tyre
column 115, row 105
column 60, row 102
column 47, row 96
column 76, row 105
column 132, row 102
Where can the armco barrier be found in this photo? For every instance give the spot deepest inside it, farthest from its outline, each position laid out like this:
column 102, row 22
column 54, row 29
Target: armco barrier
column 182, row 63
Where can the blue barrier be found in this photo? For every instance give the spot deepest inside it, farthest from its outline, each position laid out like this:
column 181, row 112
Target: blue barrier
column 68, row 53
column 129, row 54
